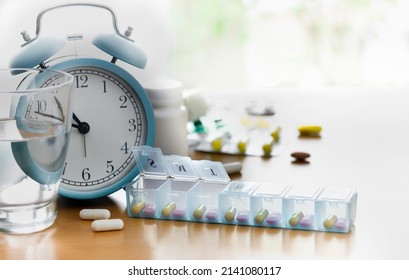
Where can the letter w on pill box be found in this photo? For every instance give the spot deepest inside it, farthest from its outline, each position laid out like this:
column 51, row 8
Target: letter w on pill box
column 178, row 188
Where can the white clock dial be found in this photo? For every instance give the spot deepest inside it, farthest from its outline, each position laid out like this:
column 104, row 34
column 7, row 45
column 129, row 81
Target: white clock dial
column 109, row 119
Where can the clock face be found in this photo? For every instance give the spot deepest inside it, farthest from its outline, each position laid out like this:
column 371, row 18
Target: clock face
column 111, row 114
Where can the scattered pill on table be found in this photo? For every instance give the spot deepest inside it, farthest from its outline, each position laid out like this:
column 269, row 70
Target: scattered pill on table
column 310, row 130
column 300, row 157
column 95, row 214
column 230, row 214
column 168, row 209
column 138, row 207
column 199, row 212
column 233, row 167
column 330, row 221
column 295, row 218
column 107, row 225
column 261, row 216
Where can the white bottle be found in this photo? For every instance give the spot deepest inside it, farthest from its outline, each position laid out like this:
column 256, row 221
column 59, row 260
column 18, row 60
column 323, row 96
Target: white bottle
column 171, row 117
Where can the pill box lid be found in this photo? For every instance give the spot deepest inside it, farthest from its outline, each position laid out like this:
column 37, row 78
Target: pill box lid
column 240, row 187
column 303, row 192
column 150, row 161
column 181, row 167
column 337, row 194
column 211, row 171
column 271, row 189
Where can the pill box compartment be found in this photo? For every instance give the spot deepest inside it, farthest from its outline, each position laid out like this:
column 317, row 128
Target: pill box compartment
column 336, row 209
column 299, row 207
column 172, row 200
column 234, row 203
column 153, row 173
column 266, row 204
column 203, row 201
column 141, row 196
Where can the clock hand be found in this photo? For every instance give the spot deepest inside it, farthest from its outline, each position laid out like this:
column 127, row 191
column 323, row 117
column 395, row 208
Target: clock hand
column 85, row 146
column 83, row 128
column 48, row 115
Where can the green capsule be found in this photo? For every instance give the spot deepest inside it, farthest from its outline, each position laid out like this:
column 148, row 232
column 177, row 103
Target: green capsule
column 230, row 214
column 295, row 218
column 261, row 216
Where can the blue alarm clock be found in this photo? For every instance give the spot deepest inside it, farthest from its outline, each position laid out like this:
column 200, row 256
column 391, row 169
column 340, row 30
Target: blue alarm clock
column 111, row 111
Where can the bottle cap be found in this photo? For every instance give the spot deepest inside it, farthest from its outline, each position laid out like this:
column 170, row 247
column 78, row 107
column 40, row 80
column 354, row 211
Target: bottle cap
column 164, row 92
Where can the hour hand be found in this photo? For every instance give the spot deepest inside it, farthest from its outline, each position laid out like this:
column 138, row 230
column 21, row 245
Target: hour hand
column 83, row 127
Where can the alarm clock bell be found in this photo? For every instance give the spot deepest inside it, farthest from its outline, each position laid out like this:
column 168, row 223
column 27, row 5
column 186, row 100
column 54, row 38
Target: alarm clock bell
column 120, row 48
column 35, row 51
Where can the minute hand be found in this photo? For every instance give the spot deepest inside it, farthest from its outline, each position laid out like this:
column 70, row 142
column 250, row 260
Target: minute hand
column 48, row 115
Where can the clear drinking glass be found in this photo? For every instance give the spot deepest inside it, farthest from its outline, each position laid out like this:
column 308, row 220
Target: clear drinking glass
column 35, row 126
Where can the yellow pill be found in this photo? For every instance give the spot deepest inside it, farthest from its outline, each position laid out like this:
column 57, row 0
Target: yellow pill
column 311, row 130
column 295, row 218
column 168, row 209
column 138, row 207
column 268, row 149
column 261, row 216
column 330, row 221
column 276, row 134
column 230, row 214
column 217, row 144
column 242, row 146
column 199, row 212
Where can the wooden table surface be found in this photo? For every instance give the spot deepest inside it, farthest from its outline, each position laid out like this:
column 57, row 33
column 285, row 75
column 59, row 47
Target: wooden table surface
column 364, row 145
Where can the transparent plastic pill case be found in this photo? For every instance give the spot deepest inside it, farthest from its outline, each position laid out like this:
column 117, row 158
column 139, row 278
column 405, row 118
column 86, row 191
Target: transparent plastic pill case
column 178, row 188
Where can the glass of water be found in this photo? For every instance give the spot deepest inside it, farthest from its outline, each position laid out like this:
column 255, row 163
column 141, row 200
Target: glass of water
column 35, row 126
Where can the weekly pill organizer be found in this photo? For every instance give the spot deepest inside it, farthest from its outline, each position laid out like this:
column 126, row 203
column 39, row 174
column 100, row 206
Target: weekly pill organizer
column 177, row 188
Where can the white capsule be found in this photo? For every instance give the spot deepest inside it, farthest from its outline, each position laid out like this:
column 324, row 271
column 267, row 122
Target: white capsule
column 107, row 225
column 94, row 214
column 233, row 167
